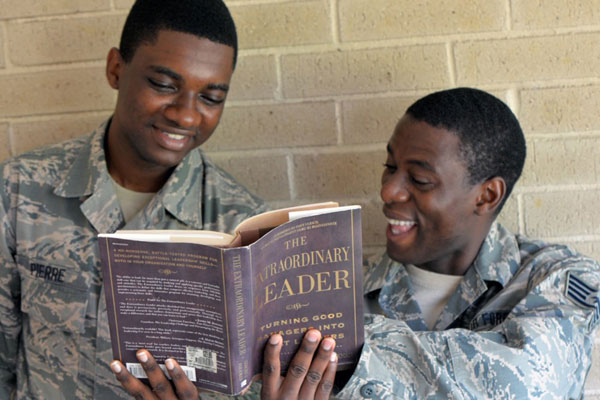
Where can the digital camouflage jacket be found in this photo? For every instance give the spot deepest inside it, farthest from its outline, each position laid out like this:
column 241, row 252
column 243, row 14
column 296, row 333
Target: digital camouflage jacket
column 54, row 340
column 519, row 326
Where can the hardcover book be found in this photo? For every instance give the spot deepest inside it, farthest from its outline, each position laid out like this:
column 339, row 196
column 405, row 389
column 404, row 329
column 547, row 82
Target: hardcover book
column 211, row 300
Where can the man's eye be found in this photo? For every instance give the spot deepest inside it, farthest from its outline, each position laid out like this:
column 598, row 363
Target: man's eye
column 391, row 168
column 161, row 86
column 419, row 181
column 212, row 100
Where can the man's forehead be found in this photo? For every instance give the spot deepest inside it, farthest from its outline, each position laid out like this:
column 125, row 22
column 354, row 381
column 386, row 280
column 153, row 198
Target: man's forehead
column 420, row 140
column 167, row 39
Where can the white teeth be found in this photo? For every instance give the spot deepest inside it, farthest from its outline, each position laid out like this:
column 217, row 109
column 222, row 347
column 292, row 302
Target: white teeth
column 175, row 136
column 400, row 223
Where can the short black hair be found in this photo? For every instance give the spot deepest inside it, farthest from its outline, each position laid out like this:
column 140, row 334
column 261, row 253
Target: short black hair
column 209, row 19
column 492, row 143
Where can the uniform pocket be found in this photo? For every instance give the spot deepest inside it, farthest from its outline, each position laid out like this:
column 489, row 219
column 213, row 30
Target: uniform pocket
column 53, row 296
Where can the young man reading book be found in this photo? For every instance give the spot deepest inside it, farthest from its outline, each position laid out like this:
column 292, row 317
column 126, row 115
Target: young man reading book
column 463, row 308
column 459, row 306
column 140, row 169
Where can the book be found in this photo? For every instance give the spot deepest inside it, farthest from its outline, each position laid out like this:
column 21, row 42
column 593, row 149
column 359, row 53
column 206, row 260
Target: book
column 211, row 300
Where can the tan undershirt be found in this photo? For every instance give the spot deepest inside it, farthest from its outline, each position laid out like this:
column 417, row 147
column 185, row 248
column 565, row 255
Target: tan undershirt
column 432, row 291
column 131, row 202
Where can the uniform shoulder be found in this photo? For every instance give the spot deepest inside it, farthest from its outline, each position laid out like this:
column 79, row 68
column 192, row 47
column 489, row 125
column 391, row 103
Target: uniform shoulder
column 225, row 186
column 545, row 259
column 63, row 152
column 44, row 164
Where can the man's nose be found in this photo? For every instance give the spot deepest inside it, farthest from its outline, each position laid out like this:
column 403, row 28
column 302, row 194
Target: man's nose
column 394, row 189
column 185, row 111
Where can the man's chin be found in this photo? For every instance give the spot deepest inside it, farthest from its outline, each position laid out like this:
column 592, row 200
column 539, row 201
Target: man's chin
column 398, row 255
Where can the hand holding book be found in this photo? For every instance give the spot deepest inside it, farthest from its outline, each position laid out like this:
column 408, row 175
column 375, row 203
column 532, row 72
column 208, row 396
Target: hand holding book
column 213, row 307
column 310, row 375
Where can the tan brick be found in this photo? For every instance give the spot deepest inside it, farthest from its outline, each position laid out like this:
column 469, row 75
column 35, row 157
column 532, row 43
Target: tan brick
column 529, row 14
column 32, row 134
column 126, row 4
column 525, row 59
column 277, row 125
column 56, row 41
column 55, row 92
column 374, row 223
column 4, row 142
column 509, row 216
column 590, row 249
column 266, row 176
column 385, row 19
column 562, row 213
column 364, row 71
column 255, row 77
column 371, row 251
column 331, row 176
column 562, row 161
column 282, row 24
column 372, row 120
column 560, row 109
column 31, row 8
column 2, row 58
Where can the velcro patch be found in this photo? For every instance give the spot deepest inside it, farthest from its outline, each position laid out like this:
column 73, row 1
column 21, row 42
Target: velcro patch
column 582, row 294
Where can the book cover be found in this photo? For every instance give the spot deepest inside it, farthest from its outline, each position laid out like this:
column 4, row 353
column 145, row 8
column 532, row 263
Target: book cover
column 213, row 308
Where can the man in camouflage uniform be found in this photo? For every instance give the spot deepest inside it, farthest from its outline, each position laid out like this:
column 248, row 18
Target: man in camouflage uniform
column 519, row 322
column 459, row 307
column 141, row 169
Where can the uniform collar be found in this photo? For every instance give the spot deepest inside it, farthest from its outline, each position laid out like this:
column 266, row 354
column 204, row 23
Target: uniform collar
column 497, row 261
column 182, row 195
column 498, row 258
column 87, row 178
column 88, row 171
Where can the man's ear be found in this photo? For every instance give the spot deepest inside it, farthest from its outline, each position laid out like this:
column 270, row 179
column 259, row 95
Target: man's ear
column 114, row 66
column 490, row 196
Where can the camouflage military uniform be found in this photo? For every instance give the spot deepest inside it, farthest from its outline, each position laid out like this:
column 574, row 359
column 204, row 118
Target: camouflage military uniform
column 519, row 326
column 54, row 340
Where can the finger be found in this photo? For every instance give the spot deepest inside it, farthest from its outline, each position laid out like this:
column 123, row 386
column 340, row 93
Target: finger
column 271, row 368
column 326, row 384
column 317, row 369
column 183, row 386
column 131, row 384
column 158, row 380
column 299, row 365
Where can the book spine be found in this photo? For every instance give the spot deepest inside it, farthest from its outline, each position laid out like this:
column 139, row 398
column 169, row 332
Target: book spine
column 106, row 258
column 357, row 271
column 238, row 287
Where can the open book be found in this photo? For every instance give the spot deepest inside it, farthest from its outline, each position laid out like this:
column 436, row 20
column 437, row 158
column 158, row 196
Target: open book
column 211, row 300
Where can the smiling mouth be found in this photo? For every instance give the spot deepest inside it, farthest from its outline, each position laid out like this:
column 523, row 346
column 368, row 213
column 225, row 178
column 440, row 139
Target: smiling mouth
column 399, row 226
column 174, row 136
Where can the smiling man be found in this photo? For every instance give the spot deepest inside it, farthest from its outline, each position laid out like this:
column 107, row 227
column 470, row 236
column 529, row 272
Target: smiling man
column 463, row 308
column 459, row 307
column 141, row 169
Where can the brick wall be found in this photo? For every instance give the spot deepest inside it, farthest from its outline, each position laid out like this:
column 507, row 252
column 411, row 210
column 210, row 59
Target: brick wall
column 320, row 85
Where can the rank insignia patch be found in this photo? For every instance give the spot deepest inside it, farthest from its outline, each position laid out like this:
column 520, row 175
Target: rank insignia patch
column 582, row 294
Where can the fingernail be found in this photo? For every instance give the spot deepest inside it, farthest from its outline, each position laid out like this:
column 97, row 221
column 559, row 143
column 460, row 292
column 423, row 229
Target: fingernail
column 142, row 356
column 327, row 344
column 169, row 364
column 312, row 336
column 333, row 357
column 274, row 340
column 116, row 367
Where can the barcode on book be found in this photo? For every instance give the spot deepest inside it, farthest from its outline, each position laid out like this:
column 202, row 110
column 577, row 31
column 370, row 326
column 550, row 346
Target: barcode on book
column 201, row 358
column 136, row 370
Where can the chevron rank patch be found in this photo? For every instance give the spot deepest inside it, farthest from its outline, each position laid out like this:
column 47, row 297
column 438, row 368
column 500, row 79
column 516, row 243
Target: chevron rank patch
column 582, row 294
